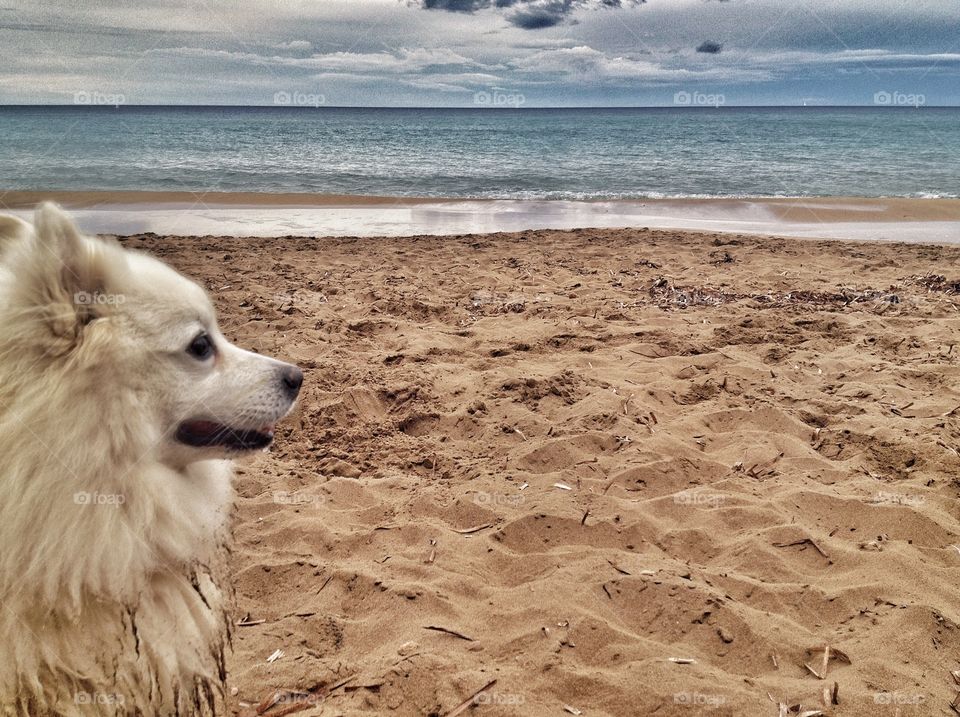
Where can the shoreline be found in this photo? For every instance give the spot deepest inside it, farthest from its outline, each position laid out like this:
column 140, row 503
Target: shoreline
column 251, row 214
column 812, row 208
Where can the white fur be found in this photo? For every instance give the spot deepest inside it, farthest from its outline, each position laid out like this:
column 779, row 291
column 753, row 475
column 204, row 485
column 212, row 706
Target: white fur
column 113, row 533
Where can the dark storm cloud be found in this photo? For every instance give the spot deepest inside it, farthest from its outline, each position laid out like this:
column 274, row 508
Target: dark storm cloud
column 710, row 47
column 527, row 14
column 541, row 16
column 456, row 5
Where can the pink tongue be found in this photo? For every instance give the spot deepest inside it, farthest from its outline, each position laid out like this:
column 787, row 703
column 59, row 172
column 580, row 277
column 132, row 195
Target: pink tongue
column 204, row 428
column 209, row 428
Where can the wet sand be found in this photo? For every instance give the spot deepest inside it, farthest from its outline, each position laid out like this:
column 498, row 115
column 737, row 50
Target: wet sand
column 805, row 209
column 317, row 215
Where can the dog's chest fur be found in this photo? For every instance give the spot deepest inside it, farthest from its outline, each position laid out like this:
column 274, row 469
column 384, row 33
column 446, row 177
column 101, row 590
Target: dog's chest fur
column 151, row 636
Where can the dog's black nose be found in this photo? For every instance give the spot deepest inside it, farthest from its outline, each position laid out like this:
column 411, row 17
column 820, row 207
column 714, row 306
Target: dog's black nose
column 292, row 380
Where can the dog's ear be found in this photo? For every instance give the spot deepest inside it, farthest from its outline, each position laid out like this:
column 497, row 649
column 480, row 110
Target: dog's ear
column 12, row 227
column 61, row 271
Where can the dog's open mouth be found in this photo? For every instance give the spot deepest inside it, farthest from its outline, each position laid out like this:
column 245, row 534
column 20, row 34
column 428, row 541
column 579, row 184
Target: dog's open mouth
column 209, row 434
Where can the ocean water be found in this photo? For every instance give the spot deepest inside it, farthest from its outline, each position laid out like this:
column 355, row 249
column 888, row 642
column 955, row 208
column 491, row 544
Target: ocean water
column 477, row 153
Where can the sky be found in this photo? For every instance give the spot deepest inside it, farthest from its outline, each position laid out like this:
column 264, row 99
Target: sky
column 481, row 53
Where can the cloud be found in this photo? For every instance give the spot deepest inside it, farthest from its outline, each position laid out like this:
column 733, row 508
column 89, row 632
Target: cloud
column 554, row 52
column 402, row 60
column 526, row 14
column 710, row 47
column 456, row 5
column 587, row 64
column 541, row 15
column 299, row 45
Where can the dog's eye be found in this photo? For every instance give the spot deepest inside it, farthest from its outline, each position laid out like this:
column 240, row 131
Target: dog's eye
column 201, row 347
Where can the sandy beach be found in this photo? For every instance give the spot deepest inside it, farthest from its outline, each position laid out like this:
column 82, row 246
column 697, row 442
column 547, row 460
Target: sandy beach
column 599, row 472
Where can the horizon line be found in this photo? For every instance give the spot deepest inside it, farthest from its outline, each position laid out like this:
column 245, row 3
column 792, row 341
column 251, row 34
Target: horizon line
column 99, row 105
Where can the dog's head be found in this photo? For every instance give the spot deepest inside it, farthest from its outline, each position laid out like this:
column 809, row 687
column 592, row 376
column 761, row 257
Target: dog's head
column 117, row 328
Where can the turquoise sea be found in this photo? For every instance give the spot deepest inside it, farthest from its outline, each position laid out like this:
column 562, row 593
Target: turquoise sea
column 503, row 153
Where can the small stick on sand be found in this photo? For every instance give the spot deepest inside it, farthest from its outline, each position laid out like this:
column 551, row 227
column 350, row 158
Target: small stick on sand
column 437, row 628
column 829, row 653
column 470, row 701
column 295, row 707
column 802, row 541
column 247, row 621
column 468, row 531
column 834, row 653
column 617, row 568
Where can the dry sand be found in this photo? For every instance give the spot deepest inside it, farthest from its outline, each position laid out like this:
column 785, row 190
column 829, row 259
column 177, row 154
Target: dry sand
column 587, row 453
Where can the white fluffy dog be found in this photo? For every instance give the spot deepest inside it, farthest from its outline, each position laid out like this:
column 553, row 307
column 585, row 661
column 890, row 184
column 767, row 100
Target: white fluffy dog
column 119, row 401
